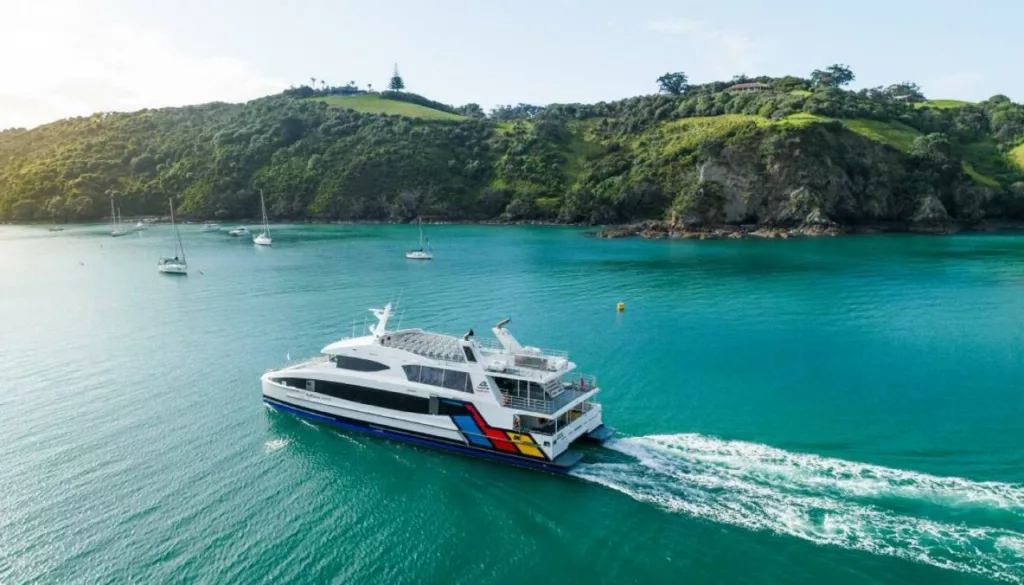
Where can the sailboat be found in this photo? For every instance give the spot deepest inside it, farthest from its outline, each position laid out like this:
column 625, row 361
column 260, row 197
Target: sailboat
column 177, row 264
column 54, row 227
column 421, row 253
column 263, row 239
column 115, row 222
column 139, row 226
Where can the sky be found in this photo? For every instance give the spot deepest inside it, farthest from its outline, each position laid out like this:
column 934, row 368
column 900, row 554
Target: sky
column 61, row 58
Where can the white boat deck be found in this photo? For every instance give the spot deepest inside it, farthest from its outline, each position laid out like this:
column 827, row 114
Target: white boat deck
column 433, row 345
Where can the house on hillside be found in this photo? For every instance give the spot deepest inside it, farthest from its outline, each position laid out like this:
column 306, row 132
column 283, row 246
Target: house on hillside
column 750, row 87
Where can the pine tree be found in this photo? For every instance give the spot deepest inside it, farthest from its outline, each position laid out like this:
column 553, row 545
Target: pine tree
column 396, row 83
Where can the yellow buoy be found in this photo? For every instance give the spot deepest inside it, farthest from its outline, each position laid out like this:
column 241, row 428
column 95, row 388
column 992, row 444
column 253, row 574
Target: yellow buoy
column 621, row 306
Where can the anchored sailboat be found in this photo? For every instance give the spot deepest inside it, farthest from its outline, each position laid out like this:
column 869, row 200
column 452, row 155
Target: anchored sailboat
column 264, row 239
column 54, row 227
column 177, row 264
column 422, row 253
column 115, row 222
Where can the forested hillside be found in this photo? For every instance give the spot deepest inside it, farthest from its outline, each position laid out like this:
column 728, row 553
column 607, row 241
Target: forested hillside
column 772, row 151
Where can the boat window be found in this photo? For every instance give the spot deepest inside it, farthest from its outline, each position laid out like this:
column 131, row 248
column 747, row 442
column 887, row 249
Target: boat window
column 469, row 353
column 432, row 376
column 358, row 364
column 372, row 397
column 455, row 380
column 440, row 377
column 299, row 383
column 412, row 373
column 506, row 384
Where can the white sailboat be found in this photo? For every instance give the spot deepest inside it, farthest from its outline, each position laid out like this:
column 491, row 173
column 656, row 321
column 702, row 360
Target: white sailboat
column 263, row 239
column 177, row 264
column 422, row 253
column 210, row 227
column 54, row 227
column 139, row 226
column 115, row 222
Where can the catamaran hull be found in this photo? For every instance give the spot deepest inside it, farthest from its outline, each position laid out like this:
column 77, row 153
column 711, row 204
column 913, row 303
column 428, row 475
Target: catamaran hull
column 173, row 269
column 410, row 436
column 467, row 433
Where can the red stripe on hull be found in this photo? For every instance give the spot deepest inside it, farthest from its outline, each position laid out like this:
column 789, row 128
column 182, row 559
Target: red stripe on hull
column 497, row 436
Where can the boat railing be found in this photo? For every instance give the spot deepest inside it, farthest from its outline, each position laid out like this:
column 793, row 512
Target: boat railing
column 494, row 346
column 579, row 382
column 579, row 416
column 540, row 404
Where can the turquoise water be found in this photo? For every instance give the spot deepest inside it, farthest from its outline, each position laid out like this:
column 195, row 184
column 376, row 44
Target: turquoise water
column 817, row 411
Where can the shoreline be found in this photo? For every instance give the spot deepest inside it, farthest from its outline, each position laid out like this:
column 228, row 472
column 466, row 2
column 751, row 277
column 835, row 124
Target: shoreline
column 645, row 229
column 663, row 230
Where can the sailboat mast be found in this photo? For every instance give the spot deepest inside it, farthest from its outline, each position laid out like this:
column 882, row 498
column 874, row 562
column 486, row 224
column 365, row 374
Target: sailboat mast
column 113, row 217
column 263, row 204
column 177, row 234
column 420, row 222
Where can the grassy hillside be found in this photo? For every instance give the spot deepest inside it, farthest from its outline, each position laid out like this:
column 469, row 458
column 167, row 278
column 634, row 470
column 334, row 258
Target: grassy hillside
column 893, row 133
column 1017, row 157
column 943, row 104
column 374, row 104
column 781, row 156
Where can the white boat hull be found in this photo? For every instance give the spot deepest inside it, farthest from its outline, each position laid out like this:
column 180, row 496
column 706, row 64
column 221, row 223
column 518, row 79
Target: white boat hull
column 172, row 268
column 419, row 255
column 263, row 240
column 438, row 431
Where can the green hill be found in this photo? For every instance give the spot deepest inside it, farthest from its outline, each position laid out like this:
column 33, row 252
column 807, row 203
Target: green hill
column 1017, row 157
column 705, row 157
column 374, row 104
column 944, row 104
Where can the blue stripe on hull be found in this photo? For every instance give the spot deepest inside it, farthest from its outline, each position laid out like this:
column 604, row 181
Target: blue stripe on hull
column 354, row 425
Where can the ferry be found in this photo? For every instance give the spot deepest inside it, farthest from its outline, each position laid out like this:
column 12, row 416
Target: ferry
column 495, row 400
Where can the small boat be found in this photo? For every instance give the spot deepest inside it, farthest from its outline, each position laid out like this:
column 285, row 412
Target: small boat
column 499, row 401
column 422, row 253
column 210, row 227
column 139, row 226
column 264, row 239
column 177, row 263
column 115, row 222
column 55, row 227
column 239, row 232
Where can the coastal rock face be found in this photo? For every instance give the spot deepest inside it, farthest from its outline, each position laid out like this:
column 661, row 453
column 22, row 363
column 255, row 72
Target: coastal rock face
column 793, row 184
column 824, row 181
column 931, row 216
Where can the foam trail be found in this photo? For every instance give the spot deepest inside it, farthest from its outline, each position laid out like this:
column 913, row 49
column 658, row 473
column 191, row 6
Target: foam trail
column 275, row 444
column 823, row 500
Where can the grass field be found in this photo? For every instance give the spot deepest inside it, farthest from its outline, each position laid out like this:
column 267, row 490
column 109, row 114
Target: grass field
column 897, row 135
column 1017, row 157
column 373, row 104
column 943, row 104
column 978, row 177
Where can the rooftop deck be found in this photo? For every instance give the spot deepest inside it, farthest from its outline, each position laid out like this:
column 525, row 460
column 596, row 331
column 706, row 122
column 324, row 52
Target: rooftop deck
column 432, row 345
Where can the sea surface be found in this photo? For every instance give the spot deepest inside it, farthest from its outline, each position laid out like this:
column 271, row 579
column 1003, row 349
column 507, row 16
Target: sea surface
column 845, row 410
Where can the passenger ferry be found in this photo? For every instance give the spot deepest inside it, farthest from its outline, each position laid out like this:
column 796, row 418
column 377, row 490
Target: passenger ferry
column 501, row 401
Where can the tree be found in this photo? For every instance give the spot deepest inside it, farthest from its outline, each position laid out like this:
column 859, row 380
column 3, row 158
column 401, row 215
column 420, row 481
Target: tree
column 673, row 83
column 396, row 83
column 841, row 75
column 471, row 111
column 833, row 76
column 907, row 92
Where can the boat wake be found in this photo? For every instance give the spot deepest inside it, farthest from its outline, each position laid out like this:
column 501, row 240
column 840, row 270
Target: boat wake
column 953, row 523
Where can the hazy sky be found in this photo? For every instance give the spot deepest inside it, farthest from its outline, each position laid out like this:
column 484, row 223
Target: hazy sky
column 61, row 58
